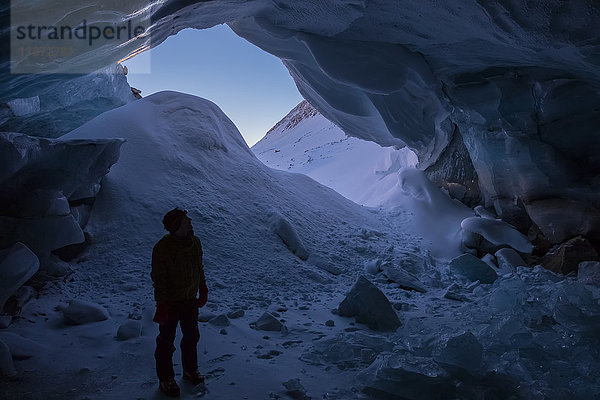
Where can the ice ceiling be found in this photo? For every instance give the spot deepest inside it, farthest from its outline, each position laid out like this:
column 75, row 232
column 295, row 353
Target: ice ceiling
column 518, row 81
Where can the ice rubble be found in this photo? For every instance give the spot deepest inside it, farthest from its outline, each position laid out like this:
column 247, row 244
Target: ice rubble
column 531, row 334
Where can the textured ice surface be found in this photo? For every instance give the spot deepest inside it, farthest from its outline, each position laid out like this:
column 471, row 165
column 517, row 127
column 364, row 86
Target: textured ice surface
column 61, row 103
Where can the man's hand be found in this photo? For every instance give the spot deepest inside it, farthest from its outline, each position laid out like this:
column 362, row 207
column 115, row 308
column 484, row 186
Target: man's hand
column 202, row 297
column 161, row 316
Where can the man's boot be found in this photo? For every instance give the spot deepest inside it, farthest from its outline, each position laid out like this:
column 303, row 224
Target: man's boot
column 169, row 387
column 193, row 376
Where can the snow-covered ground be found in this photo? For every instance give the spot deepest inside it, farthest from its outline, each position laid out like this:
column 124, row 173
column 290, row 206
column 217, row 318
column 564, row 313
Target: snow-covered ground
column 530, row 334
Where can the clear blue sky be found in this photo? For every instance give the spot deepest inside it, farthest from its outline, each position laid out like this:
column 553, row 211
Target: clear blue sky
column 251, row 86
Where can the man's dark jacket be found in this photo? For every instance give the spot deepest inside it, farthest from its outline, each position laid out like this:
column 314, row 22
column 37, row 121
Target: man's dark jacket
column 177, row 270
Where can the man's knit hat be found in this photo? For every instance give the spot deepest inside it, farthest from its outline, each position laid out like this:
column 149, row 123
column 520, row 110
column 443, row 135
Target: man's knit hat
column 172, row 220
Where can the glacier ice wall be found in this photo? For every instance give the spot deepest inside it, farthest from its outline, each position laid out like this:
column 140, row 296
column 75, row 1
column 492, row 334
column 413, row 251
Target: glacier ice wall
column 519, row 81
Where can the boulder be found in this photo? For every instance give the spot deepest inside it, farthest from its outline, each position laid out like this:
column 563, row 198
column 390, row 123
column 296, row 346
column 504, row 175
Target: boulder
column 473, row 268
column 561, row 219
column 205, row 316
column 287, row 233
column 370, row 306
column 566, row 257
column 129, row 330
column 403, row 279
column 17, row 265
column 233, row 314
column 463, row 351
column 82, row 312
column 268, row 322
column 508, row 260
column 219, row 320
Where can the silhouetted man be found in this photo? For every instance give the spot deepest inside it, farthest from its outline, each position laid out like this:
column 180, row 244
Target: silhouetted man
column 178, row 276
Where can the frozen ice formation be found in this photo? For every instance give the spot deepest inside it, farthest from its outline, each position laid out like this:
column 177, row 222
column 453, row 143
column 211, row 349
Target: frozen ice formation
column 497, row 232
column 17, row 265
column 47, row 185
column 57, row 106
column 370, row 306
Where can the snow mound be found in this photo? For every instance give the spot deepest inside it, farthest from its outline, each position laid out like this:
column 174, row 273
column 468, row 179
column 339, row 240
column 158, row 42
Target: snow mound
column 370, row 306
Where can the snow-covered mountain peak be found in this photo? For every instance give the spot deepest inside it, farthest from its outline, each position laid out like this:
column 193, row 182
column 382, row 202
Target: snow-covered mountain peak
column 298, row 114
column 306, row 142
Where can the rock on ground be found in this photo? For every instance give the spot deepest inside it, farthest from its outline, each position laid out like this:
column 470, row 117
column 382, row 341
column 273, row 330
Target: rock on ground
column 267, row 322
column 566, row 257
column 82, row 312
column 370, row 306
column 473, row 268
column 287, row 233
column 508, row 260
column 219, row 320
column 129, row 330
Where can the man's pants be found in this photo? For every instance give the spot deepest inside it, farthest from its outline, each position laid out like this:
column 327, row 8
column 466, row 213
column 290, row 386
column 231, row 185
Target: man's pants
column 186, row 314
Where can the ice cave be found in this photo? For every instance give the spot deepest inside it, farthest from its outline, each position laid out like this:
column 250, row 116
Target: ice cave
column 424, row 225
